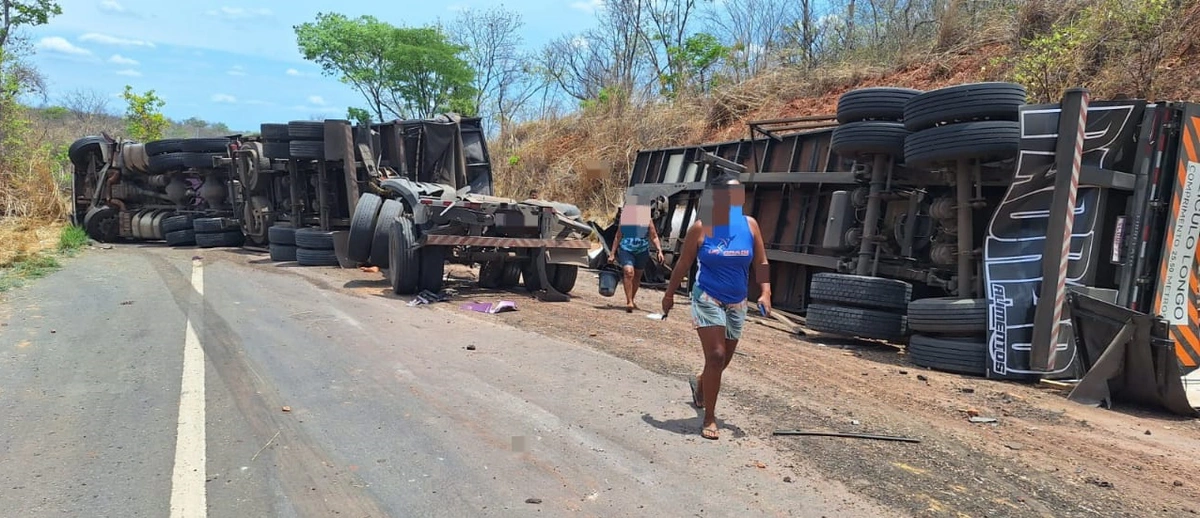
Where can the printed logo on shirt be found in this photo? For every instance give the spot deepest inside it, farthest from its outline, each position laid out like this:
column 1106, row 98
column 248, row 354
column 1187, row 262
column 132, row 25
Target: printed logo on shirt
column 719, row 249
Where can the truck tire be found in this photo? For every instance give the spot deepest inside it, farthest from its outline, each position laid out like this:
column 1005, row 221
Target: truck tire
column 213, row 225
column 161, row 147
column 983, row 140
column 855, row 322
column 177, row 223
column 869, row 137
column 948, row 316
column 166, row 163
column 404, row 268
column 280, row 150
column 82, row 149
column 230, row 238
column 860, row 291
column 962, row 103
column 491, row 273
column 186, row 237
column 306, row 130
column 314, row 239
column 564, row 277
column 379, row 245
column 282, row 253
column 310, row 257
column 878, row 103
column 961, row 356
column 205, row 145
column 433, row 267
column 362, row 227
column 281, row 234
column 274, row 132
column 307, row 149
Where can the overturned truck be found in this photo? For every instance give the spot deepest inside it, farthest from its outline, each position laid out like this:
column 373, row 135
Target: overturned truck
column 324, row 193
column 995, row 237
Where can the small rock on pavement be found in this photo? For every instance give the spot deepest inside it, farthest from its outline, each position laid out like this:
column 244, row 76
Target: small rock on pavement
column 902, row 371
column 533, row 500
column 1147, row 432
column 921, row 377
column 787, row 479
column 470, row 347
column 968, row 390
column 972, row 412
column 287, row 409
column 1178, row 483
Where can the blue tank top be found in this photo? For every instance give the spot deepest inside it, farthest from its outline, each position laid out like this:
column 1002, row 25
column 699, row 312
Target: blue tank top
column 724, row 260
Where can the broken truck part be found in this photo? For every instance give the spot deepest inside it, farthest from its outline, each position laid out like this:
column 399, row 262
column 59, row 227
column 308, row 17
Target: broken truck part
column 964, row 221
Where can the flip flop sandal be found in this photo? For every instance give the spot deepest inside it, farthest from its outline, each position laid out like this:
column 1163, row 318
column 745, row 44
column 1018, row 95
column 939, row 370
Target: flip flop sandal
column 696, row 395
column 709, row 434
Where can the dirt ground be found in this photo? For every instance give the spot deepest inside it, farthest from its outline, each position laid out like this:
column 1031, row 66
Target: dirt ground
column 1045, row 456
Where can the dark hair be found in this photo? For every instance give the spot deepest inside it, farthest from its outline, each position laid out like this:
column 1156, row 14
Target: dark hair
column 723, row 177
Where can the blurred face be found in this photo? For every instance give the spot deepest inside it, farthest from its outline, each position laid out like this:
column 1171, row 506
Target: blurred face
column 635, row 216
column 719, row 205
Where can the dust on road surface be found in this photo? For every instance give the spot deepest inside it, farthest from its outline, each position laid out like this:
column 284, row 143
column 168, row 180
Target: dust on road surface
column 324, row 395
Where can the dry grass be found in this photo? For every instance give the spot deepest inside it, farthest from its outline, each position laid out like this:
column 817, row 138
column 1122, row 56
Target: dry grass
column 24, row 238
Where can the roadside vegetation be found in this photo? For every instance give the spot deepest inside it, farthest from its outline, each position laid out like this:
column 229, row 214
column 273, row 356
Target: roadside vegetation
column 569, row 117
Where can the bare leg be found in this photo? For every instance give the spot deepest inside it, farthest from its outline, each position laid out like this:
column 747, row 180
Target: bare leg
column 636, row 283
column 712, row 339
column 730, row 348
column 629, row 289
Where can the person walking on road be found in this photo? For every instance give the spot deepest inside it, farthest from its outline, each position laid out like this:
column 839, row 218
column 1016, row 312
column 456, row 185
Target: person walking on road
column 632, row 243
column 726, row 243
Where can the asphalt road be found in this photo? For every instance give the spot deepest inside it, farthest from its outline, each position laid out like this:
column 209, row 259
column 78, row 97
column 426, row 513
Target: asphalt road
column 141, row 382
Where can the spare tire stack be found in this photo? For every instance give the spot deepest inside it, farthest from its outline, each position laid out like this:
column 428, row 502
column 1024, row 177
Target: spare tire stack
column 858, row 306
column 217, row 232
column 177, row 230
column 198, row 153
column 275, row 141
column 314, row 247
column 306, row 140
column 952, row 334
column 281, row 239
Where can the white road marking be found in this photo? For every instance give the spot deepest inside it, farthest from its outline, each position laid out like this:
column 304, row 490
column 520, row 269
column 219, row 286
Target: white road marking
column 188, row 497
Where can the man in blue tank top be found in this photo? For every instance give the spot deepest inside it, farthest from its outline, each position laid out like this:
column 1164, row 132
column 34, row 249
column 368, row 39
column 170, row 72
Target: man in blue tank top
column 726, row 243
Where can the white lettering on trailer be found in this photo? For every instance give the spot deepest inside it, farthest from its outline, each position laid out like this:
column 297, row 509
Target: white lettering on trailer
column 1182, row 256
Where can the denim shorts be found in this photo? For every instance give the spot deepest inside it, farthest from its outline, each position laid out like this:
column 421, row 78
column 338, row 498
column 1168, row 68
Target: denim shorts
column 637, row 260
column 708, row 312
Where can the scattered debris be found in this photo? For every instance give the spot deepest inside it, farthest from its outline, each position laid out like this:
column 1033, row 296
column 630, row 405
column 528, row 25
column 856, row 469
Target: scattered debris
column 429, row 297
column 53, row 331
column 470, row 347
column 287, row 409
column 1178, row 483
column 1099, row 482
column 491, row 307
column 1013, row 446
column 787, row 479
column 902, row 371
column 846, row 435
column 1148, row 432
column 369, row 269
column 533, row 500
column 921, row 377
column 971, row 412
column 968, row 390
column 260, row 450
column 127, row 303
column 855, row 422
column 977, row 419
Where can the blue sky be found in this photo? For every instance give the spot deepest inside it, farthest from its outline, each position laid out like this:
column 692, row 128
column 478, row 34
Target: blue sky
column 236, row 62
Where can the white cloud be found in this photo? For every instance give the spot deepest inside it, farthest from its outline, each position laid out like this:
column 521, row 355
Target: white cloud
column 105, row 39
column 112, row 6
column 587, row 5
column 293, row 72
column 129, row 72
column 317, row 100
column 118, row 59
column 237, row 70
column 256, row 102
column 224, row 98
column 239, row 13
column 61, row 46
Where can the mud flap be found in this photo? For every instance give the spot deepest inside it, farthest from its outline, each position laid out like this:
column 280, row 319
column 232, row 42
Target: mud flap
column 547, row 293
column 1128, row 355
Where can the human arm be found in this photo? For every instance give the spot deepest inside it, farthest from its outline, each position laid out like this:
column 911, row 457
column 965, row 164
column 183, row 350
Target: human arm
column 657, row 243
column 612, row 256
column 762, row 270
column 691, row 244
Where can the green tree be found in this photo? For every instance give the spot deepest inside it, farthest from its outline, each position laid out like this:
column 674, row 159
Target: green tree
column 143, row 119
column 405, row 72
column 359, row 115
column 15, row 13
column 692, row 62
